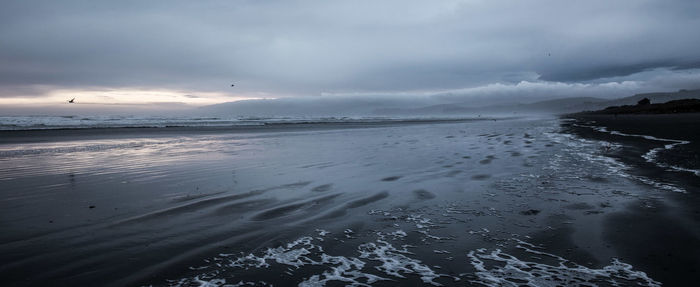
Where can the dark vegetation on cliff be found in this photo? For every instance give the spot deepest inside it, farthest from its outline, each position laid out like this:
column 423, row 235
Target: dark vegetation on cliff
column 644, row 106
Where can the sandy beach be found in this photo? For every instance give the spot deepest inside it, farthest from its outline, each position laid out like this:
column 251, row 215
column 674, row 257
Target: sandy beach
column 659, row 234
column 478, row 203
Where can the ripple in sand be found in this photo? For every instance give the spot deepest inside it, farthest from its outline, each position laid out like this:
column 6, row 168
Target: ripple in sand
column 579, row 206
column 391, row 178
column 355, row 204
column 368, row 200
column 596, row 178
column 322, row 188
column 481, row 176
column 423, row 194
column 242, row 207
column 453, row 173
column 289, row 209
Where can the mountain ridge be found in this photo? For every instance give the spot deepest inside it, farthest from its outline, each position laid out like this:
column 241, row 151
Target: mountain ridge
column 394, row 106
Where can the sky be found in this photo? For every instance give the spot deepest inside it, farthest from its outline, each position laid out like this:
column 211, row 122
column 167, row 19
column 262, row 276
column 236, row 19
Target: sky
column 169, row 55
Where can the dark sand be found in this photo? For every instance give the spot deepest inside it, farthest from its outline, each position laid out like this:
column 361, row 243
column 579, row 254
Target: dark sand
column 482, row 203
column 660, row 234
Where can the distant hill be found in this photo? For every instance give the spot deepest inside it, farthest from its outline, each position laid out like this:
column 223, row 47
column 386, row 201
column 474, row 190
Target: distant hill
column 556, row 106
column 655, row 98
column 670, row 107
column 323, row 106
column 398, row 106
column 564, row 105
column 573, row 105
column 559, row 105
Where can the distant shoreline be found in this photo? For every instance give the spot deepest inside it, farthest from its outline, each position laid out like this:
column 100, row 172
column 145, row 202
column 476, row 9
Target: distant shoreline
column 670, row 125
column 670, row 107
column 67, row 133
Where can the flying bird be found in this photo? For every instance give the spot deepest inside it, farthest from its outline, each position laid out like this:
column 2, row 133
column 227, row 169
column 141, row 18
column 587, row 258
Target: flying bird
column 232, row 85
column 71, row 100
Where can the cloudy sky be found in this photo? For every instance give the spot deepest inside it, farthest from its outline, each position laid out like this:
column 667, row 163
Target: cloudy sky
column 167, row 54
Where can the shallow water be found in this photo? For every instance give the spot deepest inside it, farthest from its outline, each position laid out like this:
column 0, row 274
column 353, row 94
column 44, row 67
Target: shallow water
column 484, row 203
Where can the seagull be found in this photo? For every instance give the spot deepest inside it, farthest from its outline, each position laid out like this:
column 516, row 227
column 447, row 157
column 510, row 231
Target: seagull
column 71, row 100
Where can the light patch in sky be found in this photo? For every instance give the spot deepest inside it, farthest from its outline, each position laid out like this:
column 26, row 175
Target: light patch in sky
column 127, row 96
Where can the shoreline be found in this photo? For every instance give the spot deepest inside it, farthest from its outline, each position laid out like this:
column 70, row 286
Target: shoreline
column 649, row 124
column 67, row 134
column 668, row 143
column 660, row 233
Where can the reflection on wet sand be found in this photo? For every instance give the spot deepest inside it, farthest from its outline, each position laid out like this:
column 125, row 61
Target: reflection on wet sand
column 436, row 203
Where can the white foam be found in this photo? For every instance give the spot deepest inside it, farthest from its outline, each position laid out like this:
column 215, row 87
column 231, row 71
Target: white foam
column 651, row 155
column 395, row 262
column 294, row 254
column 512, row 271
column 617, row 168
column 348, row 233
column 345, row 270
column 493, row 267
column 424, row 225
column 398, row 234
column 582, row 148
column 352, row 271
column 196, row 281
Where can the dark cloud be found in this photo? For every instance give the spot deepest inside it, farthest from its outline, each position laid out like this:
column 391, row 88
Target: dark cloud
column 309, row 47
column 600, row 71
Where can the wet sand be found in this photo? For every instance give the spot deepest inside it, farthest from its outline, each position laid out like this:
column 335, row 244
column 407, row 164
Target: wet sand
column 659, row 234
column 482, row 203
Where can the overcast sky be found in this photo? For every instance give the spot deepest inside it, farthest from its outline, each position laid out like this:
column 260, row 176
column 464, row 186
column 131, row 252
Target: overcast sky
column 171, row 52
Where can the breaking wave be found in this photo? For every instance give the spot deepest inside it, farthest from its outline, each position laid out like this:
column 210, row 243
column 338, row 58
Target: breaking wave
column 14, row 123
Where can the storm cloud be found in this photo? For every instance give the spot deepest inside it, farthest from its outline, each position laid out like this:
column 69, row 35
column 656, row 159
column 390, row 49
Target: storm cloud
column 309, row 48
